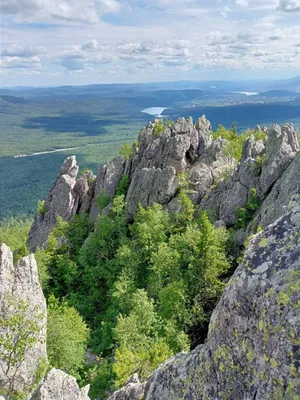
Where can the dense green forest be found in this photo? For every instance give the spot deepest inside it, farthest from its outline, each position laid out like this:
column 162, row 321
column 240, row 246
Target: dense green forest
column 125, row 296
column 166, row 271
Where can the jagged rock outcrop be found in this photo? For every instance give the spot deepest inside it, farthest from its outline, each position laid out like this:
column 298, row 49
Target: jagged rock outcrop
column 58, row 385
column 19, row 286
column 61, row 201
column 217, row 183
column 281, row 149
column 107, row 181
column 252, row 350
column 284, row 191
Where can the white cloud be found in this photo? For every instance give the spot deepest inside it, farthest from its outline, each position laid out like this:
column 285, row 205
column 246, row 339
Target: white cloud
column 133, row 48
column 19, row 62
column 19, row 51
column 90, row 45
column 289, row 5
column 88, row 11
column 242, row 3
column 278, row 34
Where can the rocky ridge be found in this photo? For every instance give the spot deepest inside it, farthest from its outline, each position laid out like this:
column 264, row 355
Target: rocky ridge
column 252, row 349
column 216, row 181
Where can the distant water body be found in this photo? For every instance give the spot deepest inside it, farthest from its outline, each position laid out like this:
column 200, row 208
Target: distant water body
column 247, row 93
column 157, row 111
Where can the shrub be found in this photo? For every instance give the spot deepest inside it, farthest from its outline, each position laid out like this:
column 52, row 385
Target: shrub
column 244, row 214
column 127, row 151
column 41, row 208
column 158, row 127
column 67, row 337
column 20, row 329
column 103, row 200
column 123, row 186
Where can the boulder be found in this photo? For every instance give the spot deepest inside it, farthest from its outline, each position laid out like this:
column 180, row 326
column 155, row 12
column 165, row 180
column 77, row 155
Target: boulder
column 252, row 348
column 19, row 286
column 133, row 390
column 60, row 386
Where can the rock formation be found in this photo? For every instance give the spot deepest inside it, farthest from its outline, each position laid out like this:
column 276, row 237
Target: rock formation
column 216, row 181
column 252, row 349
column 60, row 386
column 20, row 287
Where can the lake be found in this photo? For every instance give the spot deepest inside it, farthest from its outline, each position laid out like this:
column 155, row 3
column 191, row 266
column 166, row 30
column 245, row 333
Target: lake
column 157, row 111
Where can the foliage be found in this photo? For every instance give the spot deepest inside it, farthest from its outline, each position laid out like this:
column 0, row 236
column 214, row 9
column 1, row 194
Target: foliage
column 236, row 141
column 123, row 187
column 41, row 207
column 127, row 151
column 103, row 200
column 102, row 379
column 20, row 329
column 14, row 232
column 163, row 270
column 259, row 162
column 244, row 214
column 67, row 337
column 158, row 127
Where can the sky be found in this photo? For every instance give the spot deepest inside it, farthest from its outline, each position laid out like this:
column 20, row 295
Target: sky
column 75, row 42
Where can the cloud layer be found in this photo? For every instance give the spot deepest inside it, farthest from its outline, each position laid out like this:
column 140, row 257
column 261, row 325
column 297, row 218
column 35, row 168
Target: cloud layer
column 71, row 41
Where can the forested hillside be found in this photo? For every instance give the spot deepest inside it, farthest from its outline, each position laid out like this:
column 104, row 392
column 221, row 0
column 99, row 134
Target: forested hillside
column 133, row 261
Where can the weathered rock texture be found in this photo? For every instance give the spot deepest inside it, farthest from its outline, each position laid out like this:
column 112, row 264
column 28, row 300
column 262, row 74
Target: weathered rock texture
column 133, row 390
column 20, row 283
column 217, row 183
column 60, row 386
column 253, row 349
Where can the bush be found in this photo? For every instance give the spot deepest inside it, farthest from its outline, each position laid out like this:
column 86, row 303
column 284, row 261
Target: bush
column 158, row 127
column 103, row 200
column 245, row 214
column 123, row 186
column 67, row 337
column 41, row 208
column 127, row 151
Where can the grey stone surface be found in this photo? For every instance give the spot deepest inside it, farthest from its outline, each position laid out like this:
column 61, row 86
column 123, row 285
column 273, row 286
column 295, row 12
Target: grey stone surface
column 252, row 350
column 60, row 386
column 133, row 390
column 21, row 283
column 281, row 148
column 284, row 191
column 61, row 201
column 107, row 181
column 150, row 186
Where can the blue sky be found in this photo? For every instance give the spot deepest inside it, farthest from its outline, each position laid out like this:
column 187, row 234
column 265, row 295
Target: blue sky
column 55, row 42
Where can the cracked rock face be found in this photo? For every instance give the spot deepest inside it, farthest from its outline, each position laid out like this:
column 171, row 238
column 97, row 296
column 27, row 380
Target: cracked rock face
column 217, row 183
column 281, row 149
column 20, row 284
column 61, row 201
column 60, row 386
column 107, row 181
column 252, row 350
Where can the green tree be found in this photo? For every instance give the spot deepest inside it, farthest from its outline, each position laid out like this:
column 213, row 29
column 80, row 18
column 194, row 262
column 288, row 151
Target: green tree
column 139, row 348
column 20, row 329
column 67, row 337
